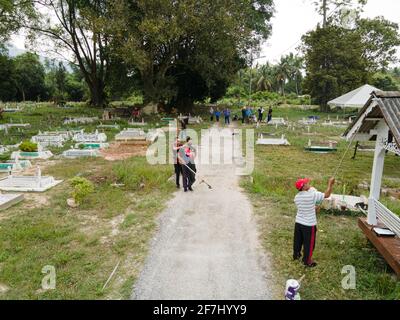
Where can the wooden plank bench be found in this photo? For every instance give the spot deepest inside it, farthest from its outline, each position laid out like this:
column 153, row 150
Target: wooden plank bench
column 388, row 247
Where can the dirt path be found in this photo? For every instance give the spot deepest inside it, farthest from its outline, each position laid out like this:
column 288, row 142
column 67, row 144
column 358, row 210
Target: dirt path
column 207, row 246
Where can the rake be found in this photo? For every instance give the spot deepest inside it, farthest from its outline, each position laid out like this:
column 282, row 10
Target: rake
column 202, row 180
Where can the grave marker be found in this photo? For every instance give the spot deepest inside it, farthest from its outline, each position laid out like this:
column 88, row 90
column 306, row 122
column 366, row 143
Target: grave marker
column 36, row 183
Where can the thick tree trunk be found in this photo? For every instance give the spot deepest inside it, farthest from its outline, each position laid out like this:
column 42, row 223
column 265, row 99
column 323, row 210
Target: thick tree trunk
column 184, row 105
column 97, row 95
column 149, row 90
column 324, row 107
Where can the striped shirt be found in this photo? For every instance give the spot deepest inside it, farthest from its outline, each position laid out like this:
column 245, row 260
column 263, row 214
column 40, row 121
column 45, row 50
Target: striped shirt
column 306, row 202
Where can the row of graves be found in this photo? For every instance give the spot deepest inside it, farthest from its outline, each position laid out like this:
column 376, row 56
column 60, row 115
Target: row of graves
column 22, row 173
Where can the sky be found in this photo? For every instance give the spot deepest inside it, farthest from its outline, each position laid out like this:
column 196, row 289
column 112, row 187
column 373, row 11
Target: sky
column 293, row 18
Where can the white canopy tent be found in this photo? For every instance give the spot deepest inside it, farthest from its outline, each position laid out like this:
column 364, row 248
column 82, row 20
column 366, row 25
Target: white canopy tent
column 354, row 99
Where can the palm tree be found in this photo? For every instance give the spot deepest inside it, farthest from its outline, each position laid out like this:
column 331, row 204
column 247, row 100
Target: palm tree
column 289, row 69
column 295, row 65
column 282, row 74
column 265, row 78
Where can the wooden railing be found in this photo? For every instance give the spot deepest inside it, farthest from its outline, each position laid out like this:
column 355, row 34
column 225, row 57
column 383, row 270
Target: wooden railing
column 387, row 217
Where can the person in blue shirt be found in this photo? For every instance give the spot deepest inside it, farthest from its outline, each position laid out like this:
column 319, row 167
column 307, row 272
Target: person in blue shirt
column 217, row 115
column 227, row 114
column 243, row 114
column 248, row 114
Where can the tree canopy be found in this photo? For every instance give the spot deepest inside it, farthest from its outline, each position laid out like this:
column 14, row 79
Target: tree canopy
column 12, row 15
column 174, row 43
column 339, row 58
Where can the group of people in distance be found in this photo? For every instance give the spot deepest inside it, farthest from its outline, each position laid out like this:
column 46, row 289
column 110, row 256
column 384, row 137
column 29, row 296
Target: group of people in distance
column 248, row 115
column 217, row 114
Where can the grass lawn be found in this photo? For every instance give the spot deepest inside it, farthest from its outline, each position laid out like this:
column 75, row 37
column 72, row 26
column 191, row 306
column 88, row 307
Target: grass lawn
column 115, row 224
column 83, row 244
column 339, row 242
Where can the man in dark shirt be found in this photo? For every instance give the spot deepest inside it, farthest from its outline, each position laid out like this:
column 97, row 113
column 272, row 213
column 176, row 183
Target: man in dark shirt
column 186, row 156
column 177, row 164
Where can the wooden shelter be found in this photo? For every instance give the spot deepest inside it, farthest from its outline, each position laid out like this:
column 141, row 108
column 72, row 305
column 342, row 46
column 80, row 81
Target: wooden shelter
column 379, row 120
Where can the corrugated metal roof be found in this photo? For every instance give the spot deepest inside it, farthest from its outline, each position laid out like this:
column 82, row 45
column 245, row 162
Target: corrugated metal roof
column 391, row 111
column 388, row 107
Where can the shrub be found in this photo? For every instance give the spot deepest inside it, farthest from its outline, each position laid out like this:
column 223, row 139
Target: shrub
column 5, row 156
column 28, row 146
column 81, row 189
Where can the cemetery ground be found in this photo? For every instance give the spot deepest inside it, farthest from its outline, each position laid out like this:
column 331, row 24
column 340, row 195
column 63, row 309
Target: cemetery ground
column 116, row 223
column 84, row 244
column 340, row 242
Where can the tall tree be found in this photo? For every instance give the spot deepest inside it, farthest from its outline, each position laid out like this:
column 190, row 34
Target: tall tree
column 7, row 78
column 168, row 40
column 334, row 63
column 381, row 40
column 29, row 76
column 339, row 58
column 294, row 67
column 78, row 28
column 61, row 78
column 265, row 78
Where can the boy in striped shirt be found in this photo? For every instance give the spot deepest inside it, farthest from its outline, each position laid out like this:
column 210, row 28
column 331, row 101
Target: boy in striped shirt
column 305, row 231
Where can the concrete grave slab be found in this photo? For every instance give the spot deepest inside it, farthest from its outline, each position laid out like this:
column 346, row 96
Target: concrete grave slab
column 8, row 200
column 277, row 121
column 322, row 147
column 272, row 142
column 39, row 155
column 131, row 134
column 336, row 123
column 90, row 137
column 137, row 124
column 15, row 165
column 80, row 153
column 108, row 126
column 12, row 109
column 81, row 120
column 49, row 140
column 91, row 145
column 344, row 202
column 17, row 125
column 308, row 122
column 65, row 134
column 36, row 183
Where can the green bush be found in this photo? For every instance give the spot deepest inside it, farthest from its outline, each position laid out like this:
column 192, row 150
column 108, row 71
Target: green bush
column 5, row 156
column 28, row 146
column 81, row 189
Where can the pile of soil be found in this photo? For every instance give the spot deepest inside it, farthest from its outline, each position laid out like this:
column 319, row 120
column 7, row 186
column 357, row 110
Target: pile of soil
column 123, row 150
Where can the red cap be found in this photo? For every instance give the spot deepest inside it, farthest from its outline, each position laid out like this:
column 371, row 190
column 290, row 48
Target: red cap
column 301, row 182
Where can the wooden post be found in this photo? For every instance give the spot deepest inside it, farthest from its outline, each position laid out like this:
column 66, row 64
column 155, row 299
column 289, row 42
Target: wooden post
column 377, row 171
column 355, row 150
